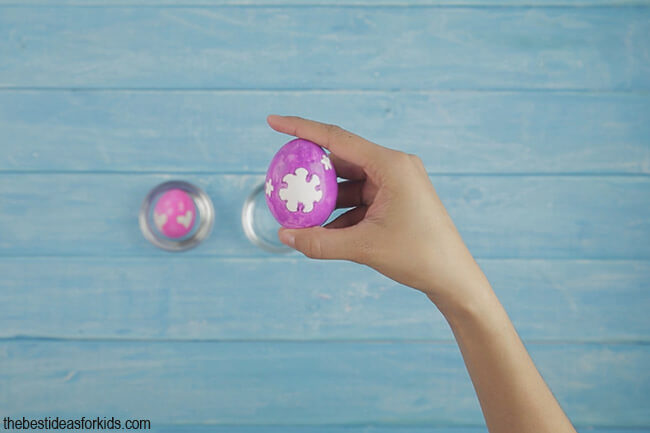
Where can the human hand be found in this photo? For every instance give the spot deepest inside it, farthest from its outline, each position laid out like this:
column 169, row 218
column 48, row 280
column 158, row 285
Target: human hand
column 397, row 224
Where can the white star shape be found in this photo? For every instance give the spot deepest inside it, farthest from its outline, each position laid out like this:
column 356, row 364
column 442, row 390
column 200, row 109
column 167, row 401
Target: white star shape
column 326, row 162
column 269, row 187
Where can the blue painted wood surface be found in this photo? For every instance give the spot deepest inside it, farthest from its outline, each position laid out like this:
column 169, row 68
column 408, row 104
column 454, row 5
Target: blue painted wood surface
column 381, row 428
column 306, row 382
column 339, row 3
column 206, row 298
column 533, row 120
column 326, row 48
column 499, row 216
column 224, row 131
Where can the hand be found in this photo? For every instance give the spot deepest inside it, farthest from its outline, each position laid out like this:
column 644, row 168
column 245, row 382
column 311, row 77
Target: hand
column 397, row 224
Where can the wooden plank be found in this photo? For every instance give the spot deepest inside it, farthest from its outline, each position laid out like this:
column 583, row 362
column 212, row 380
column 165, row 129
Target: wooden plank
column 380, row 428
column 325, row 47
column 304, row 3
column 297, row 383
column 234, row 299
column 204, row 131
column 499, row 216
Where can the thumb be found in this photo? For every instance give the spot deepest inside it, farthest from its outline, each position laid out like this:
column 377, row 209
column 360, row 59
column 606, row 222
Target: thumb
column 320, row 242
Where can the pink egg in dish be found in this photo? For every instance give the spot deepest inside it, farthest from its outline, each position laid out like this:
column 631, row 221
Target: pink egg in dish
column 174, row 213
column 300, row 186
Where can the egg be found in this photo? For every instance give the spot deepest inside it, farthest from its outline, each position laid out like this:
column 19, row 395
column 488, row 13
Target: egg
column 174, row 213
column 300, row 186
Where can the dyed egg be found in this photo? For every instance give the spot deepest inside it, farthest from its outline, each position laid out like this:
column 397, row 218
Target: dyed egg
column 301, row 185
column 174, row 213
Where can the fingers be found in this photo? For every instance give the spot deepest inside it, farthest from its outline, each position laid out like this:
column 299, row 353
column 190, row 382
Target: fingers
column 347, row 145
column 350, row 194
column 349, row 218
column 319, row 242
column 346, row 169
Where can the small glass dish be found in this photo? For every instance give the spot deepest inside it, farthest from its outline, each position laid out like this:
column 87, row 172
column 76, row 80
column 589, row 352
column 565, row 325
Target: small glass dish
column 259, row 225
column 176, row 216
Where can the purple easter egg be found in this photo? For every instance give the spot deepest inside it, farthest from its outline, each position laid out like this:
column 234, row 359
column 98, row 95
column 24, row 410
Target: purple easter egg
column 301, row 185
column 174, row 213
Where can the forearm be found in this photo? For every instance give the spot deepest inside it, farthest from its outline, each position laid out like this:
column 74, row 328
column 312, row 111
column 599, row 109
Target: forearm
column 399, row 226
column 512, row 393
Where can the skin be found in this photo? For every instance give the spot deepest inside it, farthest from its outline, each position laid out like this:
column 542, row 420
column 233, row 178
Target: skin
column 399, row 227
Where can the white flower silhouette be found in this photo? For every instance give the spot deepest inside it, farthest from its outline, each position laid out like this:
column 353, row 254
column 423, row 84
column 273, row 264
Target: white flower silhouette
column 299, row 190
column 269, row 187
column 326, row 162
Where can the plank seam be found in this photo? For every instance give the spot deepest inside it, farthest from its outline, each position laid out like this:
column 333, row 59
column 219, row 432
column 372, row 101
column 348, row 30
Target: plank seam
column 350, row 341
column 424, row 90
column 350, row 5
column 262, row 174
column 418, row 426
column 159, row 255
column 293, row 257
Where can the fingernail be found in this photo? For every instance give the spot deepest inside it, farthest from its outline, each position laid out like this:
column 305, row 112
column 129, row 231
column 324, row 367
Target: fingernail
column 287, row 238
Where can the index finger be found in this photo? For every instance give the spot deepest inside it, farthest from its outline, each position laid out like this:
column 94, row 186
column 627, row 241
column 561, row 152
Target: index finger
column 340, row 142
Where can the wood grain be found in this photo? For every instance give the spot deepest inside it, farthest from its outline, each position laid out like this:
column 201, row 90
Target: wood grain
column 336, row 3
column 531, row 117
column 298, row 383
column 499, row 216
column 380, row 428
column 225, row 131
column 195, row 298
column 325, row 48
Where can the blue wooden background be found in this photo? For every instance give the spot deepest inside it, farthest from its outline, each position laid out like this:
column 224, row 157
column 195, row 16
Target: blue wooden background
column 533, row 120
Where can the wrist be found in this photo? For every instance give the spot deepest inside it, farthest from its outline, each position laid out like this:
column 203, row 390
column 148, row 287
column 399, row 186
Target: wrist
column 466, row 301
column 454, row 281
